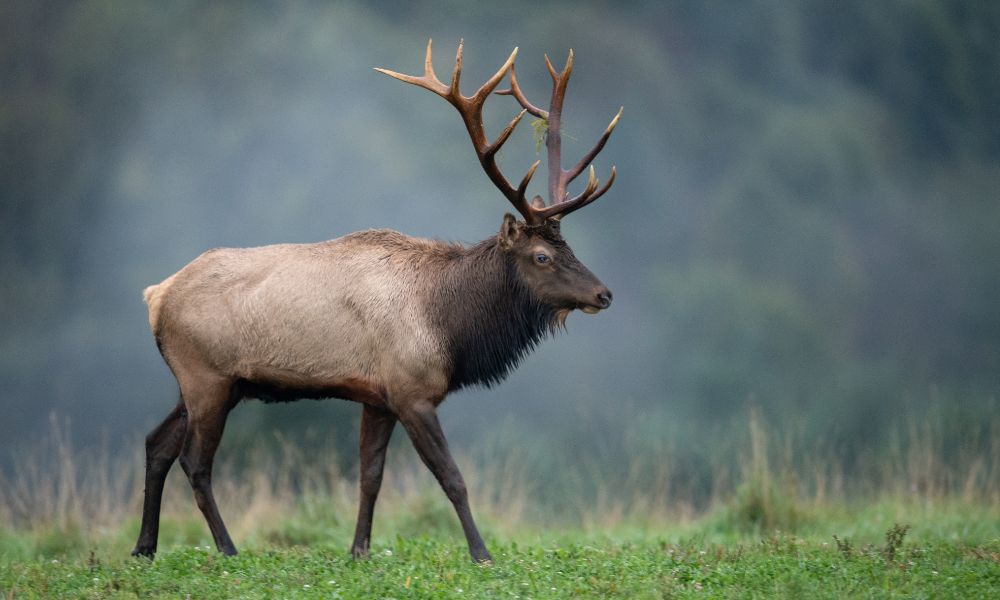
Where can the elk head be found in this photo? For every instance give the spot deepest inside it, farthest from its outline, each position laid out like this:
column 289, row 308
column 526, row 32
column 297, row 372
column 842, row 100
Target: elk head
column 535, row 245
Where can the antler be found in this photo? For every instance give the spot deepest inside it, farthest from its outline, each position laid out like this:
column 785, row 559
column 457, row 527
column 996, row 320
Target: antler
column 471, row 109
column 560, row 204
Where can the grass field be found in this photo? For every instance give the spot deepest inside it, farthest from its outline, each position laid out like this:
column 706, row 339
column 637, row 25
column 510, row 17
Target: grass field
column 946, row 552
column 929, row 528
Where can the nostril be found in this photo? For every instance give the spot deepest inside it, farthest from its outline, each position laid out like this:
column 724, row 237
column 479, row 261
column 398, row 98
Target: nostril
column 604, row 298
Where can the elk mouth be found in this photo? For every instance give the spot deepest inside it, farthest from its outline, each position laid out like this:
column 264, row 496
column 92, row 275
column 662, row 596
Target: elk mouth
column 560, row 317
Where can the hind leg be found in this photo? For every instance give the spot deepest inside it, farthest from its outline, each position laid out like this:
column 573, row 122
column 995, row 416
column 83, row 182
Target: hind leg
column 163, row 444
column 208, row 406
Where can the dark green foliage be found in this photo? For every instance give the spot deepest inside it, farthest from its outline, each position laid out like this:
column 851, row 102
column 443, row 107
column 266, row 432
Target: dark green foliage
column 844, row 546
column 890, row 551
column 894, row 541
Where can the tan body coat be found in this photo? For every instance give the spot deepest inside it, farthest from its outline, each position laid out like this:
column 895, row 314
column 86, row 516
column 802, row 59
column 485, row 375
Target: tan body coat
column 337, row 314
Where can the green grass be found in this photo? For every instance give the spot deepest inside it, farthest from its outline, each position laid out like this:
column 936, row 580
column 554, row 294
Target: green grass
column 926, row 528
column 949, row 551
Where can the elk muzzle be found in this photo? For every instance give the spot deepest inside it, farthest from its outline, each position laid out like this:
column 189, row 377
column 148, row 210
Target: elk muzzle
column 602, row 300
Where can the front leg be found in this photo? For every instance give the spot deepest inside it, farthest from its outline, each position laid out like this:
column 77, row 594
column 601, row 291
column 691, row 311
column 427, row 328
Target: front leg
column 421, row 423
column 376, row 428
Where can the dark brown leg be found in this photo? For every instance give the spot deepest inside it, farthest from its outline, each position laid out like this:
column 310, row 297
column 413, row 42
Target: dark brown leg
column 204, row 432
column 376, row 428
column 422, row 425
column 163, row 444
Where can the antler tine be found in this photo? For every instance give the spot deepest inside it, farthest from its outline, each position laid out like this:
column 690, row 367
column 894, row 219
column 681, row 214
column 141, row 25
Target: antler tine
column 456, row 73
column 471, row 109
column 428, row 62
column 523, row 187
column 558, row 211
column 519, row 200
column 487, row 88
column 515, row 90
column 588, row 158
column 495, row 146
column 552, row 70
column 592, row 184
column 596, row 195
column 429, row 81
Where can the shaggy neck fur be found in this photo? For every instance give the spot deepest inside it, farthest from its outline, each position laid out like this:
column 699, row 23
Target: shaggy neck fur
column 489, row 319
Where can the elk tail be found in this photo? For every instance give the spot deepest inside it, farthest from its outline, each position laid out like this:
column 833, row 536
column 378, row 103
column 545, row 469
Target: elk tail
column 154, row 299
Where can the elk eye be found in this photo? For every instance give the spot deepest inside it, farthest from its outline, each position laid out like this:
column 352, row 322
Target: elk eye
column 542, row 258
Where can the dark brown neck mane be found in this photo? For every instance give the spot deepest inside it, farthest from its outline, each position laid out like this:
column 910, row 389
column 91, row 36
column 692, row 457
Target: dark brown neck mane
column 488, row 318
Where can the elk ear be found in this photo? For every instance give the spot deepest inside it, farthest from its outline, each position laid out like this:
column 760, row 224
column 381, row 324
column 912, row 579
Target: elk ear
column 510, row 231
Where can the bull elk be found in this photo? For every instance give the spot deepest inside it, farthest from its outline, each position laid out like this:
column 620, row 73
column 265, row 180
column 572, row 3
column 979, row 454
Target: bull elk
column 392, row 322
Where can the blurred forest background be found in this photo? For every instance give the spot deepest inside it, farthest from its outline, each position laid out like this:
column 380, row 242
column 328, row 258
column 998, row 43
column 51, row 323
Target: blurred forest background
column 805, row 223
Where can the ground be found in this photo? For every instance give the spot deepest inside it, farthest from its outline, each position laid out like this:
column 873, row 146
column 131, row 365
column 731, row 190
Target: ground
column 947, row 552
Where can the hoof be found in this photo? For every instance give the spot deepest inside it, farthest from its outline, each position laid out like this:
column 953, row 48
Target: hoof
column 143, row 551
column 359, row 552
